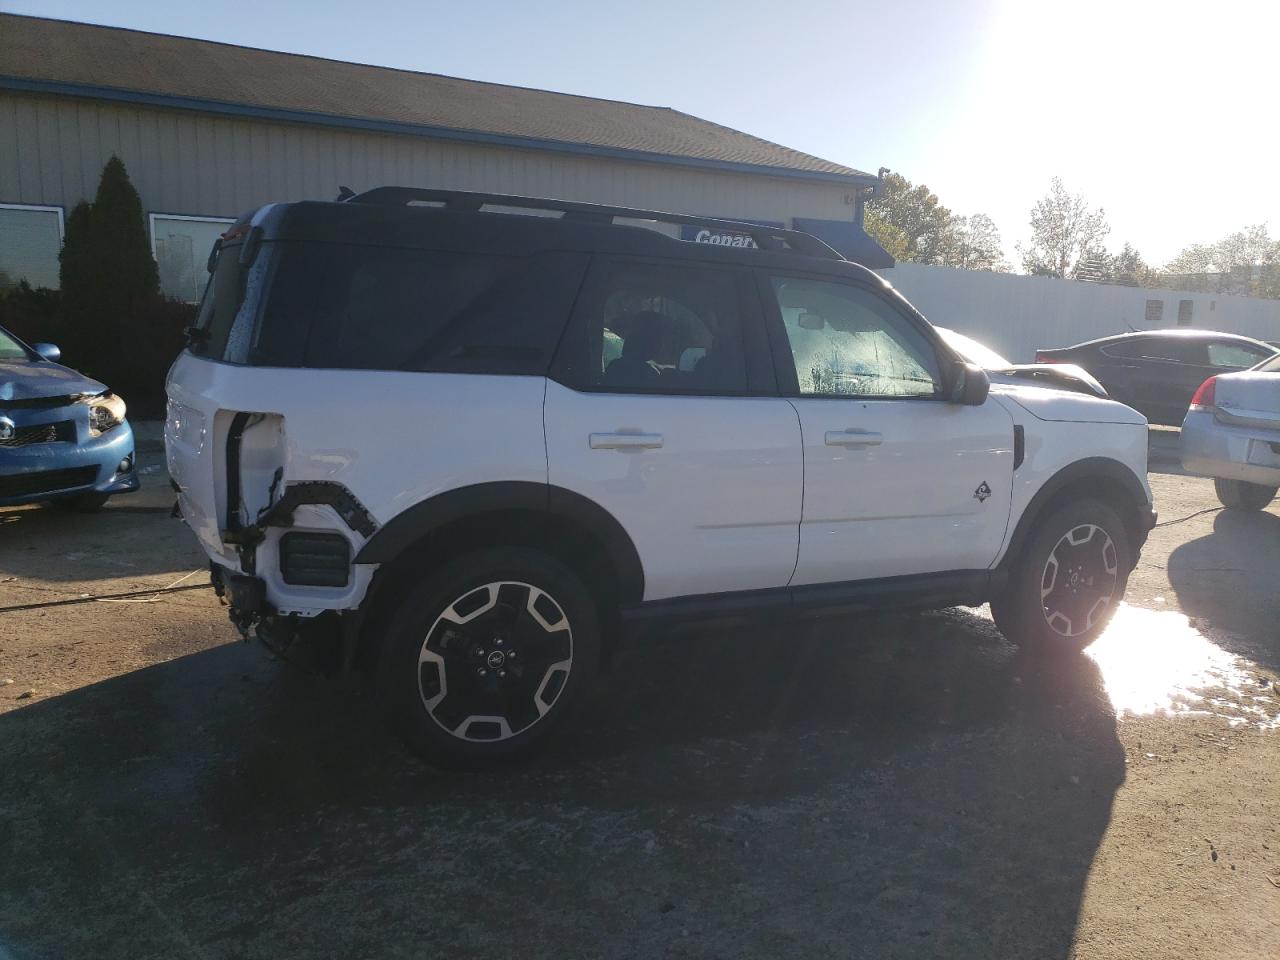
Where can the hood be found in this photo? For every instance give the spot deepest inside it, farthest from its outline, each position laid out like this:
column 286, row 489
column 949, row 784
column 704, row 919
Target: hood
column 37, row 379
column 1064, row 376
column 1048, row 404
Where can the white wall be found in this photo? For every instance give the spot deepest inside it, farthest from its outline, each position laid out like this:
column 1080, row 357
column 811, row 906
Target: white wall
column 1015, row 315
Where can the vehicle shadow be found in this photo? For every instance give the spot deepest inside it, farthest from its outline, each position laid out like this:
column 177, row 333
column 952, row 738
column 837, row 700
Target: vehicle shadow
column 1228, row 577
column 898, row 786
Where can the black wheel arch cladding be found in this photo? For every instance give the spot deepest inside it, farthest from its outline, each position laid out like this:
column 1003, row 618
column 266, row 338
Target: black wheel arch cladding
column 561, row 515
column 1099, row 477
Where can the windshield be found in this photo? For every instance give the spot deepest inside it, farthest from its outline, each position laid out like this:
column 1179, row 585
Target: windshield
column 11, row 349
column 972, row 350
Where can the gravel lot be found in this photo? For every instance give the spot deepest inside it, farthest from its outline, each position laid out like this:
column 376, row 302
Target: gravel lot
column 900, row 786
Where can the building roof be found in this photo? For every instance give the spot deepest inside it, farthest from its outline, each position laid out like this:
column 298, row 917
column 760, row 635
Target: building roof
column 58, row 56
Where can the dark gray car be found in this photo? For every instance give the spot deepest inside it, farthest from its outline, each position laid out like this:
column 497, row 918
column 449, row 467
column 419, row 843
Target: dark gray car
column 1158, row 371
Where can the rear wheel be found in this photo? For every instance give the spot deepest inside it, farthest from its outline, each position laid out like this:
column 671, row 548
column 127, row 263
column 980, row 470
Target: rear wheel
column 489, row 655
column 1066, row 586
column 1238, row 495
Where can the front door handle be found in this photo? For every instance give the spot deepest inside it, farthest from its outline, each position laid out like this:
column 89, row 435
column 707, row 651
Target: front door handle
column 852, row 438
column 625, row 441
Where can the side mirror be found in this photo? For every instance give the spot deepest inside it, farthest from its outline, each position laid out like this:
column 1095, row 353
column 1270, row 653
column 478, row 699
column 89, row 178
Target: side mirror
column 811, row 321
column 969, row 384
column 47, row 351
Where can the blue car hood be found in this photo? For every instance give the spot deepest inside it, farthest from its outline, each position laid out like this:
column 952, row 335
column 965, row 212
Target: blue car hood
column 35, row 379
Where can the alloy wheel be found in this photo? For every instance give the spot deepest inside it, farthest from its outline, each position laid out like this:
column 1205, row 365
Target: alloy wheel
column 495, row 661
column 1079, row 580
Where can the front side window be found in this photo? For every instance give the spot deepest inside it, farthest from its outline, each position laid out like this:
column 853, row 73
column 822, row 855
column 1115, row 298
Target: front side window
column 181, row 246
column 659, row 328
column 30, row 242
column 847, row 342
column 1236, row 355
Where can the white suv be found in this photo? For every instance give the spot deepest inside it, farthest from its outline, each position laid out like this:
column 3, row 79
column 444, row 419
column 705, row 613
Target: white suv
column 474, row 446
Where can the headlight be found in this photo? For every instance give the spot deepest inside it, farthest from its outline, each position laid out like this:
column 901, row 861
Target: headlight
column 106, row 411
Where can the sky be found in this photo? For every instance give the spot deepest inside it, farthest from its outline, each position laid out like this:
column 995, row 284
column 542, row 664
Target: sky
column 1162, row 113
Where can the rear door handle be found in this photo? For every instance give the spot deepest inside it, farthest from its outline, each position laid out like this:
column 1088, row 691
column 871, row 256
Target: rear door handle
column 625, row 441
column 852, row 438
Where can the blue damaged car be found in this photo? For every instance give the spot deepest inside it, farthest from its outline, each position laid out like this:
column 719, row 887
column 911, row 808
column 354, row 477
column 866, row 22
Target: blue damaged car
column 63, row 437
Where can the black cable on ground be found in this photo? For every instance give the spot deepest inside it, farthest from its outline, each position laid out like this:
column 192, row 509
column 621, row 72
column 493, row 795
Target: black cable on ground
column 1190, row 516
column 154, row 591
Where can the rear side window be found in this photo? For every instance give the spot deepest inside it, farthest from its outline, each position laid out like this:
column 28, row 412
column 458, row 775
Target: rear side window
column 1158, row 348
column 377, row 308
column 1175, row 348
column 1136, row 347
column 648, row 327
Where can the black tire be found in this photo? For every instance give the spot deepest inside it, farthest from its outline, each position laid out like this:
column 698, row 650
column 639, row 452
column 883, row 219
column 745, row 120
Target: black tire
column 480, row 638
column 1238, row 495
column 1087, row 547
column 82, row 503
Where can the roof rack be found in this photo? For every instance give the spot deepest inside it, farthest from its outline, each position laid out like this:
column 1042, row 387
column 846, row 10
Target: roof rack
column 765, row 237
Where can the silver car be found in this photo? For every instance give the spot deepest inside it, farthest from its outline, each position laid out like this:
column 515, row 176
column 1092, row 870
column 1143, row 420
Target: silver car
column 1232, row 433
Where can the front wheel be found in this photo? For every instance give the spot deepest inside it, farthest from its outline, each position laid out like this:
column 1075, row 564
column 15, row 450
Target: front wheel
column 1238, row 495
column 1066, row 585
column 489, row 655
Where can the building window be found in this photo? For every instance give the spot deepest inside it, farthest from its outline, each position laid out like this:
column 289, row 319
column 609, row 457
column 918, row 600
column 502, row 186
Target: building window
column 1155, row 311
column 30, row 241
column 181, row 247
column 1184, row 312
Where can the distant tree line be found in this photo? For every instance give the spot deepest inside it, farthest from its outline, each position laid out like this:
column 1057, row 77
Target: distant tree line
column 1068, row 240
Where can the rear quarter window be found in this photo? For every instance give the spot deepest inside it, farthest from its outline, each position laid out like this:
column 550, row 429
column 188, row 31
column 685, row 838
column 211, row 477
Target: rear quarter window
column 360, row 307
column 223, row 295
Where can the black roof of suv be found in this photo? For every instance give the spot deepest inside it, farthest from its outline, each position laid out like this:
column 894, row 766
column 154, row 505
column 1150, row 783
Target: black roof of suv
column 411, row 217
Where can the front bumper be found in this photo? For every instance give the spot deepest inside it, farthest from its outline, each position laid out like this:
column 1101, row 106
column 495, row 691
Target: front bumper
column 1228, row 452
column 1147, row 519
column 59, row 469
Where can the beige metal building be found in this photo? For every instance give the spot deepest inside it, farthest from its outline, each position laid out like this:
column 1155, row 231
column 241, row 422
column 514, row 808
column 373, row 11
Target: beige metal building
column 208, row 130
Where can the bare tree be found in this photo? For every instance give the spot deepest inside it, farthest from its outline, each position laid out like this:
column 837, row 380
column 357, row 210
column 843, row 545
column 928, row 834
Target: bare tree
column 973, row 243
column 1064, row 233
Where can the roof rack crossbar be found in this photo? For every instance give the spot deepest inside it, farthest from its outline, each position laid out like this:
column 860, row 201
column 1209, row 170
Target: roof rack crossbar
column 765, row 237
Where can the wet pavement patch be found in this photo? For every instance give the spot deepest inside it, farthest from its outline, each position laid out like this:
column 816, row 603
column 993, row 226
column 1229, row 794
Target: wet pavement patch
column 1157, row 661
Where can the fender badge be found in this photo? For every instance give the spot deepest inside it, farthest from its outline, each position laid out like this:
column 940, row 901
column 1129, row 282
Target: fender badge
column 982, row 492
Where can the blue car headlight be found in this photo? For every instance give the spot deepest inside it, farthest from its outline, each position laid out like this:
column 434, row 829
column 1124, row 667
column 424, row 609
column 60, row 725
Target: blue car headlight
column 106, row 412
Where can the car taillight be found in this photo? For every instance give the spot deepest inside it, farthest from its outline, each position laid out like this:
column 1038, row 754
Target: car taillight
column 1043, row 357
column 1204, row 398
